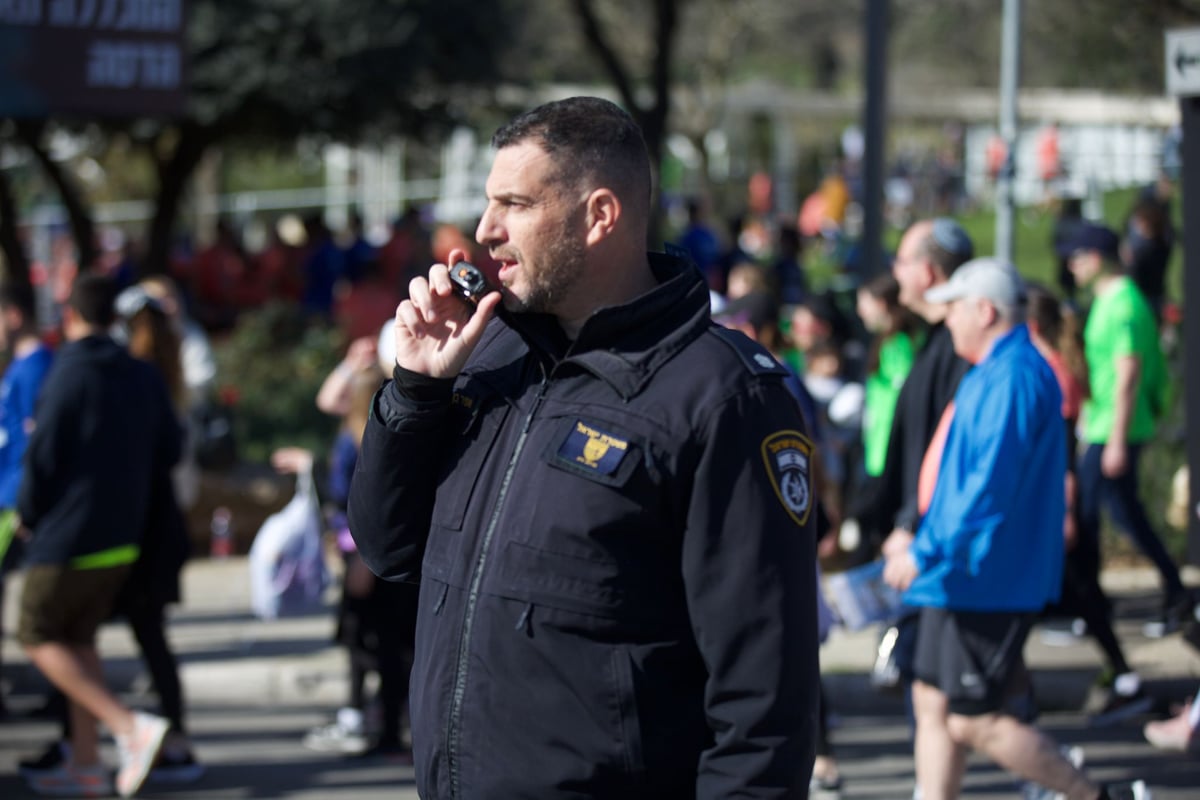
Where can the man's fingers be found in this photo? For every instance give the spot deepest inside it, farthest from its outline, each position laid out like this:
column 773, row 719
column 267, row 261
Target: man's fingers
column 439, row 280
column 419, row 294
column 479, row 320
column 409, row 319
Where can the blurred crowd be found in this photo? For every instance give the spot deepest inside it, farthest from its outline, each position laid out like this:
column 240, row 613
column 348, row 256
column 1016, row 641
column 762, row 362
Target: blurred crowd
column 868, row 359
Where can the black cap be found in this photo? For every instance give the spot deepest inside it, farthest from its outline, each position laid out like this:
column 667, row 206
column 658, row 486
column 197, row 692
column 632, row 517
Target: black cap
column 1090, row 236
column 756, row 308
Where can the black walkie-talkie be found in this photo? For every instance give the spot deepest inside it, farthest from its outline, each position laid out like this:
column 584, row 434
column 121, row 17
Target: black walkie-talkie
column 469, row 281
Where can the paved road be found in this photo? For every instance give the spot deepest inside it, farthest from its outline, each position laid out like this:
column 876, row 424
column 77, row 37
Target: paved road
column 255, row 687
column 254, row 751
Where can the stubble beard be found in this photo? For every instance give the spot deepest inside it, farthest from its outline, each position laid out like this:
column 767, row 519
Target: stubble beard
column 552, row 279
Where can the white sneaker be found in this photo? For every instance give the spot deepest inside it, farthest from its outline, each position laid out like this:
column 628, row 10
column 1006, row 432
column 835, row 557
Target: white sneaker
column 346, row 734
column 138, row 752
column 1134, row 790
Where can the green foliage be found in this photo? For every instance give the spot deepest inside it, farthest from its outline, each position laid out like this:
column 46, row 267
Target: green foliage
column 271, row 366
column 278, row 68
column 1161, row 458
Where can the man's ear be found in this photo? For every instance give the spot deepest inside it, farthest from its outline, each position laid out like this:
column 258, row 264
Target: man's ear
column 603, row 211
column 990, row 313
column 933, row 274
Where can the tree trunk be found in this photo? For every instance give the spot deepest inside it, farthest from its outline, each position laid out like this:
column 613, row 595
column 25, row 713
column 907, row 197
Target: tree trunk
column 653, row 121
column 78, row 214
column 15, row 258
column 174, row 172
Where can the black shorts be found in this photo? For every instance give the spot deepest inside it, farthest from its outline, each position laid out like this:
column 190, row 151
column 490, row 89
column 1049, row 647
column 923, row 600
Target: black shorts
column 975, row 658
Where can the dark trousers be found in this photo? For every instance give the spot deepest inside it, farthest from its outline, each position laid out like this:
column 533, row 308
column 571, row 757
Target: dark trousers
column 1120, row 494
column 146, row 621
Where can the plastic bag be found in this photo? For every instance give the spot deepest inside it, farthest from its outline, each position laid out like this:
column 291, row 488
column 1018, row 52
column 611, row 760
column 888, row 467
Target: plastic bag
column 288, row 574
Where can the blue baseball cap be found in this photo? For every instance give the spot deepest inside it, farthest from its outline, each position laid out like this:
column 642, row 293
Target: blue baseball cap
column 1090, row 236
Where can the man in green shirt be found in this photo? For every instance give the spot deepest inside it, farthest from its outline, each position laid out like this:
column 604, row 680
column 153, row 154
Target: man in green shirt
column 1127, row 378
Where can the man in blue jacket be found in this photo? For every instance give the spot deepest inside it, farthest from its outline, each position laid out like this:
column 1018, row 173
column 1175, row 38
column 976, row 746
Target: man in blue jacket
column 105, row 431
column 987, row 556
column 607, row 499
column 19, row 389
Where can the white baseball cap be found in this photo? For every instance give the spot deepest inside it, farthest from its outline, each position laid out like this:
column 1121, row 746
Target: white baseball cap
column 987, row 278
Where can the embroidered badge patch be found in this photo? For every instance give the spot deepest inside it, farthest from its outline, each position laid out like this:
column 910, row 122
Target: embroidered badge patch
column 589, row 448
column 787, row 455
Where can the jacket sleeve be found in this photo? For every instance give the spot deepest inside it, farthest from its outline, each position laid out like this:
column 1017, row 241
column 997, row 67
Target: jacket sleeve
column 749, row 572
column 395, row 481
column 48, row 452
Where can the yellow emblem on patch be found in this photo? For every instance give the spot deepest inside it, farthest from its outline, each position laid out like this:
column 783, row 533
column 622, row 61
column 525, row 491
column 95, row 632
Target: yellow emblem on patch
column 788, row 456
column 590, row 448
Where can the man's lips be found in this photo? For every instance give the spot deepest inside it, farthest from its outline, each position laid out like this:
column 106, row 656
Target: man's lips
column 507, row 268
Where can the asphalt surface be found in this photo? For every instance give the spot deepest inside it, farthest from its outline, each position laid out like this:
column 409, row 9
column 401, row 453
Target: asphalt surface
column 255, row 687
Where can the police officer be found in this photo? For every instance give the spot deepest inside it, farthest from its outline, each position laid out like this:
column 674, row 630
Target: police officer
column 606, row 498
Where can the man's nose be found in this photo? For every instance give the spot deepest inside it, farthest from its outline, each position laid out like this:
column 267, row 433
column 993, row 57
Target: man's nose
column 487, row 232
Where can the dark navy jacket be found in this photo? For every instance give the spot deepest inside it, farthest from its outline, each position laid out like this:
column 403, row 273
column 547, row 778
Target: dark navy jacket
column 615, row 545
column 105, row 433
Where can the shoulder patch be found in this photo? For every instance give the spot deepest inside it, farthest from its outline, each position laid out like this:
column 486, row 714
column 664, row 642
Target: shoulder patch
column 756, row 357
column 787, row 455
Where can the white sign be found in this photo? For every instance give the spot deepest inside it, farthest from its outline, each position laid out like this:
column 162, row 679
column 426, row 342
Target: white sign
column 1183, row 62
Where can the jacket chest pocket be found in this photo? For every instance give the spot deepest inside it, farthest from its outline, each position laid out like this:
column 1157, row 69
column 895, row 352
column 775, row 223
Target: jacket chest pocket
column 590, row 533
column 478, row 423
column 594, row 450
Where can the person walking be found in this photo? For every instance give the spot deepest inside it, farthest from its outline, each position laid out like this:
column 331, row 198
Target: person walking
column 1127, row 377
column 154, row 582
column 930, row 252
column 985, row 561
column 376, row 619
column 29, row 362
column 105, row 429
column 607, row 499
column 895, row 338
column 1056, row 335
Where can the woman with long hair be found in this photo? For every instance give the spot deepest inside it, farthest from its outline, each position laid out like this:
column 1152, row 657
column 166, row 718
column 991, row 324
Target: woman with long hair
column 154, row 582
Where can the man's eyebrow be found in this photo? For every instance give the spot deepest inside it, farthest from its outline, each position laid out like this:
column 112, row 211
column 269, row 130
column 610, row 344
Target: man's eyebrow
column 511, row 197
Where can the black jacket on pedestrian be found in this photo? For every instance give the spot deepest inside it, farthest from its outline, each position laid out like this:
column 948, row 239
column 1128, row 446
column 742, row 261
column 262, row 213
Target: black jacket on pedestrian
column 105, row 431
column 928, row 389
column 615, row 545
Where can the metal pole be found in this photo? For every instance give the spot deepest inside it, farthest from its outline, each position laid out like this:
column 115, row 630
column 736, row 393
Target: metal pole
column 1189, row 108
column 874, row 133
column 1010, row 66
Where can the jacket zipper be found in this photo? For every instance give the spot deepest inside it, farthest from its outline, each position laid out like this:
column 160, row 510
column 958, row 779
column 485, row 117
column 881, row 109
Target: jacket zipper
column 453, row 729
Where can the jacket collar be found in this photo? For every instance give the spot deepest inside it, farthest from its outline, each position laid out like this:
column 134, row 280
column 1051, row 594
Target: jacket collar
column 624, row 345
column 1016, row 336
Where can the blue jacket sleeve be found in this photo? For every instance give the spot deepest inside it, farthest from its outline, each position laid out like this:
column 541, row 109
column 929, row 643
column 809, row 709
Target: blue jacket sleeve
column 48, row 451
column 750, row 580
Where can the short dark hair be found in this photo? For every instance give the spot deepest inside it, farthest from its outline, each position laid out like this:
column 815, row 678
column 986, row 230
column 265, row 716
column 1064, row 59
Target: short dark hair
column 586, row 136
column 20, row 297
column 92, row 298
